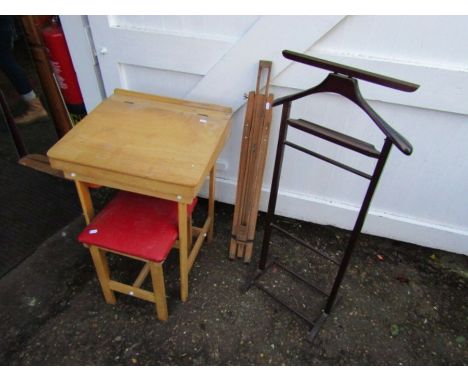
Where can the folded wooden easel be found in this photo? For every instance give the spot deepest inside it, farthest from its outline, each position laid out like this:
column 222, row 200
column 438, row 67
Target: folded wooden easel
column 251, row 166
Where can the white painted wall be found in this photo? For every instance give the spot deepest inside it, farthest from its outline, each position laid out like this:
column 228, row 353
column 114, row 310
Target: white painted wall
column 420, row 199
column 82, row 52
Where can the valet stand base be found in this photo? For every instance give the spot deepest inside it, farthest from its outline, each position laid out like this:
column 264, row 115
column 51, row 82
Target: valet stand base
column 314, row 324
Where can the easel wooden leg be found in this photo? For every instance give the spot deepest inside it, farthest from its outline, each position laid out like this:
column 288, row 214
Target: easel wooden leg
column 157, row 277
column 183, row 251
column 211, row 202
column 102, row 270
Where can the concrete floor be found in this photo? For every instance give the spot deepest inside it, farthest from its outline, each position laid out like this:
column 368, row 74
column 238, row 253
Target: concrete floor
column 401, row 305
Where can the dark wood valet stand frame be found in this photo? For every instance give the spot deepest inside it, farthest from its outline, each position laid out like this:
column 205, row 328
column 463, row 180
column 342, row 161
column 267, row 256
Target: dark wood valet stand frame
column 342, row 81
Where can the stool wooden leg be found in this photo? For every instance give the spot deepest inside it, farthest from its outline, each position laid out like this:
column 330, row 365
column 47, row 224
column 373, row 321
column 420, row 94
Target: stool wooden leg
column 211, row 202
column 183, row 251
column 102, row 270
column 157, row 277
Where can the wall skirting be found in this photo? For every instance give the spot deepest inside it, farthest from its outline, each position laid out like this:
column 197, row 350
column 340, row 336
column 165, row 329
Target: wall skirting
column 332, row 212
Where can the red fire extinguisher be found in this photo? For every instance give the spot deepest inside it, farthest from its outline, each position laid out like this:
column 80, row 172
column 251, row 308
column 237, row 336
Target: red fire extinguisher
column 62, row 65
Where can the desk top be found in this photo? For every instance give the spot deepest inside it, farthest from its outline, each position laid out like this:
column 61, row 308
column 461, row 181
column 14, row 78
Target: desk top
column 145, row 143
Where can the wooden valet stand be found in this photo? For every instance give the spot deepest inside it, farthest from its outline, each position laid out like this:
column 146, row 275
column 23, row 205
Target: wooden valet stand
column 342, row 81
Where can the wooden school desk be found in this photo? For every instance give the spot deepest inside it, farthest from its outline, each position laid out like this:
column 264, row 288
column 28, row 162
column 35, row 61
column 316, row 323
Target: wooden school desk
column 150, row 145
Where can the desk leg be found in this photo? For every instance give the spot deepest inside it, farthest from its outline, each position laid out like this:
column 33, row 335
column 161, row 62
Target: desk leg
column 183, row 250
column 85, row 200
column 189, row 232
column 211, row 202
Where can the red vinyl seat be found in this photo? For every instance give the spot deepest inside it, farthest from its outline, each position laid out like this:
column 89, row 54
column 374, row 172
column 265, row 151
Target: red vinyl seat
column 137, row 226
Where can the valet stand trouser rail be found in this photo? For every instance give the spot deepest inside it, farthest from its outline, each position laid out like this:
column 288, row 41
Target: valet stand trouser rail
column 188, row 252
column 348, row 87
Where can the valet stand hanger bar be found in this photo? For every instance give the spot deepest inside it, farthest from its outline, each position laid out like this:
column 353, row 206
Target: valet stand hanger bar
column 342, row 81
column 351, row 72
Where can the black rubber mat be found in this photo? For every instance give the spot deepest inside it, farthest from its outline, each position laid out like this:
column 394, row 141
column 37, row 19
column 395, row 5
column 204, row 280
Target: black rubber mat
column 33, row 206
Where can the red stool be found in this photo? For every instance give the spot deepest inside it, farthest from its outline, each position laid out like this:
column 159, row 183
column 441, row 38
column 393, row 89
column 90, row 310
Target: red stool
column 142, row 228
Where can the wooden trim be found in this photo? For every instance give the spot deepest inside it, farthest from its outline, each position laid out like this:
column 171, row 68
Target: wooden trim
column 159, row 290
column 350, row 71
column 251, row 171
column 183, row 251
column 241, row 177
column 123, row 254
column 257, row 187
column 176, row 101
column 126, row 182
column 85, row 200
column 195, row 232
column 158, row 296
column 251, row 168
column 131, row 291
column 211, row 203
column 189, row 232
column 198, row 243
column 41, row 163
column 103, row 273
column 142, row 276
